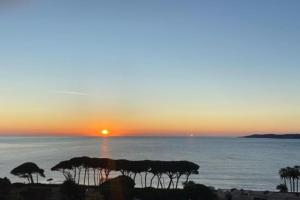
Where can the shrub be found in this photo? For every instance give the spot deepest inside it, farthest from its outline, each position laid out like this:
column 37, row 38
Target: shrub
column 119, row 188
column 228, row 196
column 94, row 196
column 71, row 191
column 199, row 192
column 5, row 187
column 258, row 198
column 159, row 194
column 36, row 193
column 282, row 188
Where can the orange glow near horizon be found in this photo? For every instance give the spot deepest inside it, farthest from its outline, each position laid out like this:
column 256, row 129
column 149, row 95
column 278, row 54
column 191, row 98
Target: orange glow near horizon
column 229, row 129
column 156, row 125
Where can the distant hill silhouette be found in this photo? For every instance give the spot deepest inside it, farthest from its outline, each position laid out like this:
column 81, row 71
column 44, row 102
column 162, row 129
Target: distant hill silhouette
column 274, row 136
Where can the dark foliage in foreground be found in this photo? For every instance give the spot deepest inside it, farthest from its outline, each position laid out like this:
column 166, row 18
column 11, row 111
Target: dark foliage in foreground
column 5, row 187
column 122, row 188
column 282, row 188
column 119, row 188
column 36, row 193
column 190, row 192
column 159, row 194
column 71, row 191
column 199, row 192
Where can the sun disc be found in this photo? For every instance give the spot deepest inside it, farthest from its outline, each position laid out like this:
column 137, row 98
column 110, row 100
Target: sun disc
column 105, row 132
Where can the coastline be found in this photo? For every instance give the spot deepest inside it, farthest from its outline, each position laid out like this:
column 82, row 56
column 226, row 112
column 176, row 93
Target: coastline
column 273, row 136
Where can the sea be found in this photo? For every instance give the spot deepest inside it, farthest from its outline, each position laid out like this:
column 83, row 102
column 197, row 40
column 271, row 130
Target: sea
column 225, row 163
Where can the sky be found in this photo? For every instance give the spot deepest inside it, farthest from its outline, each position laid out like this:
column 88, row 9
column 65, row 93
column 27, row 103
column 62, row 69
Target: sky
column 212, row 68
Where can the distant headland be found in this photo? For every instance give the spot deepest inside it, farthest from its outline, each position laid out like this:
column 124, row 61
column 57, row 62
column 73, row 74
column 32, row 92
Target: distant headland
column 274, row 136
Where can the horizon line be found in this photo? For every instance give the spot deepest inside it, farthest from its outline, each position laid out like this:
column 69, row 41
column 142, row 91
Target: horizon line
column 62, row 135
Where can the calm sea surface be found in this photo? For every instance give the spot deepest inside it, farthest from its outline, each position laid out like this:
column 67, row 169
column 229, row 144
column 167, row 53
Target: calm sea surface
column 225, row 162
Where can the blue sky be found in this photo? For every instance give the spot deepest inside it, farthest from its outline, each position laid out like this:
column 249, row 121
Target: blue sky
column 164, row 61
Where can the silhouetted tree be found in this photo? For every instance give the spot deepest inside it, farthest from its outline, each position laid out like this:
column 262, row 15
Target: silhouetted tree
column 190, row 168
column 102, row 167
column 27, row 170
column 64, row 167
column 283, row 175
column 292, row 174
column 108, row 165
column 297, row 176
column 157, row 169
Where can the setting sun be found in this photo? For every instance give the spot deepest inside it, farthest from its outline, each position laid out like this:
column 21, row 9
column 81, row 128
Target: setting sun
column 105, row 132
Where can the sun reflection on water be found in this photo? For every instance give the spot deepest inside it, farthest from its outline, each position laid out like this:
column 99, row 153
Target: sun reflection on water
column 104, row 148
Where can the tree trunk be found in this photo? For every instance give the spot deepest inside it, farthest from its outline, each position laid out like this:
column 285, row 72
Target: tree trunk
column 95, row 177
column 134, row 176
column 170, row 182
column 293, row 185
column 162, row 183
column 152, row 180
column 107, row 172
column 187, row 178
column 79, row 173
column 101, row 177
column 88, row 177
column 158, row 180
column 75, row 172
column 177, row 181
column 63, row 172
column 141, row 179
column 84, row 176
column 284, row 179
column 31, row 179
column 146, row 174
